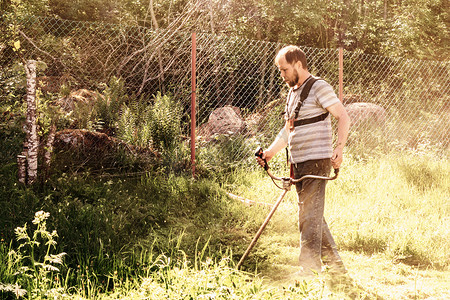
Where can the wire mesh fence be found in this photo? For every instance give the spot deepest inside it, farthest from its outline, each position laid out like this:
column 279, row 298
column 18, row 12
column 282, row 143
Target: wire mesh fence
column 395, row 104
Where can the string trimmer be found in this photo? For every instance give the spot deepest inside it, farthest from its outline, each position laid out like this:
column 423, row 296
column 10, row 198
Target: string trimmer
column 286, row 186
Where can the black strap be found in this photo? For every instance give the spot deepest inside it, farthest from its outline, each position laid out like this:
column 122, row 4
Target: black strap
column 304, row 94
column 311, row 120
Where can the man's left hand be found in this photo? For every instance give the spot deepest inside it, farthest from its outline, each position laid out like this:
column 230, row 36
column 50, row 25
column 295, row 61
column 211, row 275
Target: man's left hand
column 337, row 157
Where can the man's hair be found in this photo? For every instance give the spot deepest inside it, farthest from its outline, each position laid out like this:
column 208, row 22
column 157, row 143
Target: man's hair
column 292, row 54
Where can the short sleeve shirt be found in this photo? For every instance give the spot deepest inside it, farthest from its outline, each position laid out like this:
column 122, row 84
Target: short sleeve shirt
column 311, row 141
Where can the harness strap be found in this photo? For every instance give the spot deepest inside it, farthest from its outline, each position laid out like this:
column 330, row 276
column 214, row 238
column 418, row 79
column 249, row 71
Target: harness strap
column 304, row 94
column 311, row 120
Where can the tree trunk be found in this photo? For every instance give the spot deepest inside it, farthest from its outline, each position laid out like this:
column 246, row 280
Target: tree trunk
column 31, row 126
column 49, row 148
column 22, row 167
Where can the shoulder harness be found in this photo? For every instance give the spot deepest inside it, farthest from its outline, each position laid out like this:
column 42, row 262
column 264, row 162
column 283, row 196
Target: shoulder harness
column 303, row 95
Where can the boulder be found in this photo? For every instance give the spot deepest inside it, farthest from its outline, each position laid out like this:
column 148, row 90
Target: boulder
column 361, row 112
column 96, row 150
column 223, row 120
column 78, row 96
column 352, row 98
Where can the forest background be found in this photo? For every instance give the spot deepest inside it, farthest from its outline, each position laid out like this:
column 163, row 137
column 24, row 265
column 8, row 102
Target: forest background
column 405, row 28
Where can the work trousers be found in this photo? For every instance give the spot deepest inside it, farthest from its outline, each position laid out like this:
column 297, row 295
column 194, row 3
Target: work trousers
column 316, row 242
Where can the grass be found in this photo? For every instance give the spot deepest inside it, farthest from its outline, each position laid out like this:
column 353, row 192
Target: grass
column 160, row 235
column 389, row 216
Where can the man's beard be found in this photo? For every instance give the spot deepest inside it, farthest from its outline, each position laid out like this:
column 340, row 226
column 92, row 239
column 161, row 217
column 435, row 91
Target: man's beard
column 294, row 82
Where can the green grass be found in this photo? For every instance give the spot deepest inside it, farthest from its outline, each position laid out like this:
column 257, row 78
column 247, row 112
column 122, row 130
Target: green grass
column 165, row 235
column 389, row 217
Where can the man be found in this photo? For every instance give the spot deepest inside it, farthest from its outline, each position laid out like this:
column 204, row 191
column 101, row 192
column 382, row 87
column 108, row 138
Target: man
column 311, row 152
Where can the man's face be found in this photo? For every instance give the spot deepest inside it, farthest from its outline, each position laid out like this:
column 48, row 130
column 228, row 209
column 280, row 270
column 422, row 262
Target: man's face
column 288, row 72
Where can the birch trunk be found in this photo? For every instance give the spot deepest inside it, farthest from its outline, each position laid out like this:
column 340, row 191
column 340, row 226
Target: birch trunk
column 22, row 167
column 49, row 148
column 31, row 127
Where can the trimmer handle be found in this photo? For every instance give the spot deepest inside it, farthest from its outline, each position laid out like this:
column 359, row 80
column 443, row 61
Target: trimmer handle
column 259, row 153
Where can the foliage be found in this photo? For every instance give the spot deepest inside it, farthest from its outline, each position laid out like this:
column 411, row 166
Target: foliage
column 107, row 106
column 156, row 125
column 133, row 124
column 32, row 268
column 383, row 27
column 165, row 123
column 410, row 28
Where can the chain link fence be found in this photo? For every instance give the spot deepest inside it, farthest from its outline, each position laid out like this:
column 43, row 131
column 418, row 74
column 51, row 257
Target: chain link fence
column 395, row 104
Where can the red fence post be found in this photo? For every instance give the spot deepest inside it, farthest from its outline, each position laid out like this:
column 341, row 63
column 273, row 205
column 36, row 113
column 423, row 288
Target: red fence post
column 341, row 74
column 193, row 104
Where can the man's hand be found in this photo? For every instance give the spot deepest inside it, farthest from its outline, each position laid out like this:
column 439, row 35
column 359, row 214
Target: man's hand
column 266, row 155
column 337, row 157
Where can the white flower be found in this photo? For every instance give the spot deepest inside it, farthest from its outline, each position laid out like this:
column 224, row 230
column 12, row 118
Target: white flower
column 40, row 216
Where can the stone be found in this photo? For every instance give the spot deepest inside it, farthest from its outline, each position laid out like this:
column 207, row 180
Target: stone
column 225, row 120
column 361, row 112
column 78, row 96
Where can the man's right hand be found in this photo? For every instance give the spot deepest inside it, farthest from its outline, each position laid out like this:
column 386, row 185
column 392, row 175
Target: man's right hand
column 265, row 158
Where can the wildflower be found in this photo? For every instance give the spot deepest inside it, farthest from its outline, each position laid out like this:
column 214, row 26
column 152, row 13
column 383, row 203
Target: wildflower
column 21, row 233
column 40, row 216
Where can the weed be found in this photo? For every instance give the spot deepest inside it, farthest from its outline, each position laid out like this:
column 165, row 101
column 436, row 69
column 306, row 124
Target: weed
column 32, row 268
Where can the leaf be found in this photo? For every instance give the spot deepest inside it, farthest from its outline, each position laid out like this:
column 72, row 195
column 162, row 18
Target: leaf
column 16, row 45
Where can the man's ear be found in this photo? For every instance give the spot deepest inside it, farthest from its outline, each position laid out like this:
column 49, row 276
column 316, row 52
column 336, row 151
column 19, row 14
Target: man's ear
column 299, row 64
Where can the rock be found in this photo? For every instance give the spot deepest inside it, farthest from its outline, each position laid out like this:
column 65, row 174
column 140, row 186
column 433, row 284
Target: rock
column 52, row 84
column 352, row 98
column 254, row 123
column 223, row 120
column 361, row 111
column 79, row 96
column 96, row 150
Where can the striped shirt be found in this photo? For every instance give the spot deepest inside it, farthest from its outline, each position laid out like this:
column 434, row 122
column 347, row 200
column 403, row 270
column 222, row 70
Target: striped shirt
column 311, row 141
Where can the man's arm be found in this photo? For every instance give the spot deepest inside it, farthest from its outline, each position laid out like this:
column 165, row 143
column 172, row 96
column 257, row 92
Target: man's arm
column 338, row 111
column 278, row 144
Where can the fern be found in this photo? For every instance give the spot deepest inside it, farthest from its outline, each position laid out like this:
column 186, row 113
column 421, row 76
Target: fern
column 154, row 124
column 165, row 122
column 108, row 104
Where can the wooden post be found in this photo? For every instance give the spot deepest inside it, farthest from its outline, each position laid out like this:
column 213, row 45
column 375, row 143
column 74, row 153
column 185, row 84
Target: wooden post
column 193, row 100
column 341, row 74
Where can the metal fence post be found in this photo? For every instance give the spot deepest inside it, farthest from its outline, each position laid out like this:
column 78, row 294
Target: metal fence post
column 341, row 74
column 193, row 108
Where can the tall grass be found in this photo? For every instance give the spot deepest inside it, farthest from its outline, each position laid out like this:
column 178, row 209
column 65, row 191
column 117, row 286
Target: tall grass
column 146, row 236
column 397, row 205
column 30, row 272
